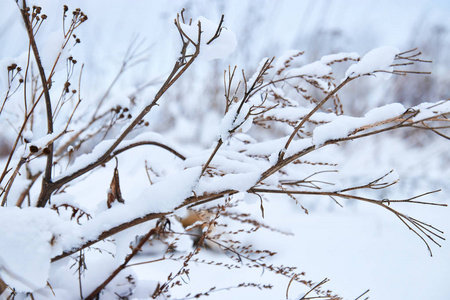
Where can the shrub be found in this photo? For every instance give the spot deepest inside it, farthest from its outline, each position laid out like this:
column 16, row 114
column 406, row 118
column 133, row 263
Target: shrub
column 273, row 141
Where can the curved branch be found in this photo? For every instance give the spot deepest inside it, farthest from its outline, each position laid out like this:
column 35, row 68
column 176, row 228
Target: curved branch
column 142, row 143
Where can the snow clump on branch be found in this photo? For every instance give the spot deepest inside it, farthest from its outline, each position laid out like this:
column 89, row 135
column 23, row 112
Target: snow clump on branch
column 376, row 60
column 219, row 48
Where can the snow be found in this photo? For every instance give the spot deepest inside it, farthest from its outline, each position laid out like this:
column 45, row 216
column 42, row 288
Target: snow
column 251, row 81
column 238, row 182
column 85, row 160
column 28, row 135
column 281, row 60
column 428, row 110
column 298, row 146
column 159, row 197
column 294, row 114
column 266, row 147
column 316, row 69
column 52, row 46
column 362, row 239
column 25, row 256
column 379, row 59
column 328, row 59
column 342, row 126
column 99, row 150
column 219, row 48
column 233, row 120
column 41, row 142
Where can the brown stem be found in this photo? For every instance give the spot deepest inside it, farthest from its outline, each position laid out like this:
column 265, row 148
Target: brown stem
column 171, row 150
column 312, row 112
column 11, row 180
column 26, row 191
column 178, row 70
column 110, row 232
column 219, row 144
column 48, row 167
column 136, row 249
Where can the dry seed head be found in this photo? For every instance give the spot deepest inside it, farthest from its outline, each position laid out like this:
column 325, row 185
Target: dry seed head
column 12, row 67
column 34, row 149
column 66, row 86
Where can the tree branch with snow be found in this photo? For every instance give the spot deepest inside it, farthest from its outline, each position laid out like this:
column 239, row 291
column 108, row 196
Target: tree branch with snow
column 274, row 142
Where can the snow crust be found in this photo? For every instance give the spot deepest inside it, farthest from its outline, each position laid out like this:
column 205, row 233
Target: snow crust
column 379, row 59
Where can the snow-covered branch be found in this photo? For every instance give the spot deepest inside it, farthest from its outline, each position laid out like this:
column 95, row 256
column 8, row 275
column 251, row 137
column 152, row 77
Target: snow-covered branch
column 273, row 141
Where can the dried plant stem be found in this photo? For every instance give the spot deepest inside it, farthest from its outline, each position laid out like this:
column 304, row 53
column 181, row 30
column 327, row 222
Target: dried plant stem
column 219, row 144
column 135, row 250
column 48, row 104
column 111, row 232
column 11, row 180
column 312, row 112
column 178, row 69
